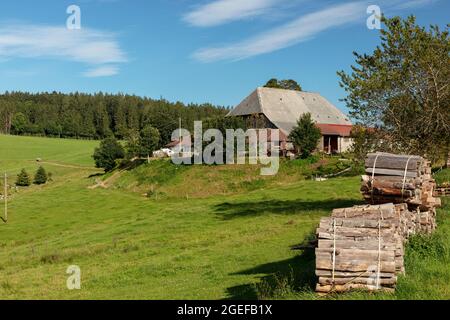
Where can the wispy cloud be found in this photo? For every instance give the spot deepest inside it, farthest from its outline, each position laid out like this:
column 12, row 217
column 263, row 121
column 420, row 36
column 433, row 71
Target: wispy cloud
column 223, row 11
column 402, row 5
column 89, row 46
column 103, row 71
column 299, row 30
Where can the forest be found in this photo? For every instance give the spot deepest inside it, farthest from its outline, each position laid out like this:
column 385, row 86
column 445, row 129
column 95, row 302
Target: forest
column 96, row 116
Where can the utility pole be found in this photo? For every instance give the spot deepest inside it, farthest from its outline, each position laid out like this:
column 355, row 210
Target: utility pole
column 6, row 199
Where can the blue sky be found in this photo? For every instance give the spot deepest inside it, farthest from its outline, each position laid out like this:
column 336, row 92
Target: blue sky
column 214, row 51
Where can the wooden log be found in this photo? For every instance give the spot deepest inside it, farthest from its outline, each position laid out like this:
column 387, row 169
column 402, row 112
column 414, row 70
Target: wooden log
column 352, row 244
column 356, row 254
column 355, row 265
column 372, row 281
column 379, row 199
column 392, row 161
column 344, row 288
column 385, row 184
column 392, row 172
column 393, row 179
column 341, row 274
column 356, row 232
column 384, row 209
column 393, row 192
column 356, row 223
column 330, row 236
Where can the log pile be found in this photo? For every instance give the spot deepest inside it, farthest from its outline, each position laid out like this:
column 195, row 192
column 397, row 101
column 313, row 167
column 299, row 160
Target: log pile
column 361, row 248
column 400, row 179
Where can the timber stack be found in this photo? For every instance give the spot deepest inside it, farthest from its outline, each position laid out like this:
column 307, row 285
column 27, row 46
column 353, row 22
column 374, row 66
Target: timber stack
column 402, row 179
column 362, row 248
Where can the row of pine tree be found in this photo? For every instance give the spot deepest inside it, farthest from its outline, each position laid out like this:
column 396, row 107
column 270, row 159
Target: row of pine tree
column 95, row 116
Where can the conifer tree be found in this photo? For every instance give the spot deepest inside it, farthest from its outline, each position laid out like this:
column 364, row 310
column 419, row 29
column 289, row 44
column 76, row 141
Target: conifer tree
column 23, row 179
column 41, row 176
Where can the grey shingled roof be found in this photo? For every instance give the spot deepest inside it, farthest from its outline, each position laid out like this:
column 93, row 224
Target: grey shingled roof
column 284, row 107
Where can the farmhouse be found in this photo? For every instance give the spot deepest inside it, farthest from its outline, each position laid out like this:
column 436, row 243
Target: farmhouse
column 269, row 108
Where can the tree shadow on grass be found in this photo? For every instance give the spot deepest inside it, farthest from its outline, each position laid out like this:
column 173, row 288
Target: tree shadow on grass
column 96, row 175
column 279, row 278
column 229, row 211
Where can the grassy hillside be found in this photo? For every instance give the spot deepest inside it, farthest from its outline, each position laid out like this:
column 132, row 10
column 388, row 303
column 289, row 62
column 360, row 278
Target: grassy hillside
column 162, row 179
column 16, row 149
column 217, row 246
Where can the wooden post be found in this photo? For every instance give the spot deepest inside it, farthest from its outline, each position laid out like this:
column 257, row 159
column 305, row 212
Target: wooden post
column 6, row 198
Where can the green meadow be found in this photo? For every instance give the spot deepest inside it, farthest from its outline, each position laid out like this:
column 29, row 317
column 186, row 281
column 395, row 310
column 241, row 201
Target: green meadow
column 165, row 232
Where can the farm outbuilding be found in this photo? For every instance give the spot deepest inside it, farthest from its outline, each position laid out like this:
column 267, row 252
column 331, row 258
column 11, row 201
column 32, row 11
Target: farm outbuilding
column 269, row 108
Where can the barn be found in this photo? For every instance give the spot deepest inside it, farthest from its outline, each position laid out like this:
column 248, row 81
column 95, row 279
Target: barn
column 270, row 108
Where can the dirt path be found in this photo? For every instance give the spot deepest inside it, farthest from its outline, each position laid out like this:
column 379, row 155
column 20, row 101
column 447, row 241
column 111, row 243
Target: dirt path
column 72, row 166
column 104, row 183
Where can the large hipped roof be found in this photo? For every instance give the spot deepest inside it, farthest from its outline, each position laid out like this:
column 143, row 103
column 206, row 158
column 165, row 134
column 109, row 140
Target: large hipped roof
column 284, row 107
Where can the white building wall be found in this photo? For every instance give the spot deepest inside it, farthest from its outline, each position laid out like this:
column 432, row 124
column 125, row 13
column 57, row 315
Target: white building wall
column 345, row 143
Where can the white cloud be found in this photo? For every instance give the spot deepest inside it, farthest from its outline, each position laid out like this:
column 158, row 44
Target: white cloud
column 88, row 46
column 103, row 71
column 299, row 30
column 223, row 11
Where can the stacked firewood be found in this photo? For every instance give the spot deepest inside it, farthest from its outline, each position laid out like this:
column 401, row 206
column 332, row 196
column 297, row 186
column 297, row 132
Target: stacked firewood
column 443, row 190
column 426, row 221
column 401, row 179
column 362, row 247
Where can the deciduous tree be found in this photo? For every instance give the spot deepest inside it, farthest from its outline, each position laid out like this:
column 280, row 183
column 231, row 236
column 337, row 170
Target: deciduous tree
column 283, row 84
column 403, row 88
column 107, row 153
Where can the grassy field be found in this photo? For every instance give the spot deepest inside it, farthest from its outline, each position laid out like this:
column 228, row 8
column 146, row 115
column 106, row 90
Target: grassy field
column 226, row 245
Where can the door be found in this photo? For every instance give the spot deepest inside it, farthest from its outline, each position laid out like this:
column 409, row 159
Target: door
column 330, row 144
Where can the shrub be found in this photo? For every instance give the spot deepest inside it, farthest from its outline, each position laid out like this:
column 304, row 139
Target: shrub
column 23, row 179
